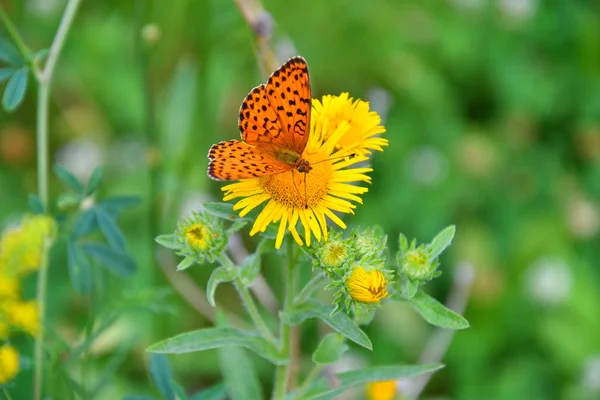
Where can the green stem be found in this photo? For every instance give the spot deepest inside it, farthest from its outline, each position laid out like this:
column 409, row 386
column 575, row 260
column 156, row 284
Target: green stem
column 282, row 372
column 14, row 34
column 43, row 104
column 310, row 287
column 312, row 375
column 249, row 304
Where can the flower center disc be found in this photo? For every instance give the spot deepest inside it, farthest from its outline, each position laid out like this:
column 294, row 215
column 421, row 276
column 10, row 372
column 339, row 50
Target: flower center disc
column 297, row 189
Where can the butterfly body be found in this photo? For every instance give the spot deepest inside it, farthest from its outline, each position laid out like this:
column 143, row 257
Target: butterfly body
column 274, row 122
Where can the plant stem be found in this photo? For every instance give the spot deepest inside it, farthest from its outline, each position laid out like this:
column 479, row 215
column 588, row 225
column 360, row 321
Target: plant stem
column 43, row 103
column 14, row 34
column 282, row 372
column 312, row 375
column 249, row 304
column 310, row 287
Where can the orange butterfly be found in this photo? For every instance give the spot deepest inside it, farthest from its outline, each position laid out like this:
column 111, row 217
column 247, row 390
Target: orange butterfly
column 274, row 122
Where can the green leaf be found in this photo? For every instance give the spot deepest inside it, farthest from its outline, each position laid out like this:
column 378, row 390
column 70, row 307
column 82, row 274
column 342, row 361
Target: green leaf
column 161, row 373
column 213, row 338
column 94, row 181
column 68, row 200
column 14, row 92
column 115, row 205
column 441, row 241
column 35, row 204
column 40, row 55
column 436, row 313
column 237, row 225
column 266, row 245
column 340, row 321
column 250, row 269
column 9, row 53
column 216, row 392
column 84, row 223
column 320, row 389
column 137, row 397
column 186, row 263
column 169, row 241
column 80, row 272
column 224, row 211
column 110, row 230
column 6, row 73
column 409, row 288
column 68, row 179
column 179, row 391
column 119, row 263
column 218, row 276
column 239, row 374
column 330, row 349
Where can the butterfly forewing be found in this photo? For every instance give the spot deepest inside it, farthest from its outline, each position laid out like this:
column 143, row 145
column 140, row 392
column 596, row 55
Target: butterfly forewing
column 289, row 93
column 233, row 160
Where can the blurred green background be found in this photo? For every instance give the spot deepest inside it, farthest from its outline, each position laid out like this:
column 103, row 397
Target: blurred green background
column 492, row 110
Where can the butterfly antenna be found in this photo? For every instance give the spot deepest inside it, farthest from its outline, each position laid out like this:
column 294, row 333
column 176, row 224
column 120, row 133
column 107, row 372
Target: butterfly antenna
column 335, row 158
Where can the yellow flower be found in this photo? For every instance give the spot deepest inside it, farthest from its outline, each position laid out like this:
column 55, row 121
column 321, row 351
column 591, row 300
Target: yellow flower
column 385, row 390
column 21, row 249
column 23, row 315
column 367, row 286
column 9, row 286
column 9, row 364
column 364, row 124
column 308, row 198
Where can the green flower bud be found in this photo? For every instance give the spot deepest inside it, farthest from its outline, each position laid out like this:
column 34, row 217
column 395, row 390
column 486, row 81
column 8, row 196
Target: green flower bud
column 368, row 243
column 200, row 237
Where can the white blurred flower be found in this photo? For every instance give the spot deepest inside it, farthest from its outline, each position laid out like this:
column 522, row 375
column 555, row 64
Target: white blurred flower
column 80, row 157
column 520, row 10
column 128, row 155
column 42, row 8
column 549, row 281
column 591, row 374
column 427, row 165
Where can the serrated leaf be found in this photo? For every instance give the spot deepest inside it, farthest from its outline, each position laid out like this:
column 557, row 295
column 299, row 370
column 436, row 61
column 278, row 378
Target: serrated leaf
column 9, row 53
column 162, row 376
column 250, row 269
column 94, row 181
column 214, row 338
column 110, row 230
column 330, row 349
column 117, row 262
column 186, row 263
column 320, row 389
column 169, row 241
column 218, row 276
column 6, row 73
column 441, row 241
column 68, row 179
column 85, row 223
column 237, row 225
column 340, row 322
column 80, row 271
column 436, row 313
column 216, row 392
column 239, row 374
column 15, row 89
column 35, row 204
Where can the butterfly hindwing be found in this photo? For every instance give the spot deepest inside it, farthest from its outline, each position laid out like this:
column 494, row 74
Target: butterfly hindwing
column 233, row 160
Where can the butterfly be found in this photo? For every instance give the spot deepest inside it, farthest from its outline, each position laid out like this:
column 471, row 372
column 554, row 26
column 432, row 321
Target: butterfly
column 274, row 122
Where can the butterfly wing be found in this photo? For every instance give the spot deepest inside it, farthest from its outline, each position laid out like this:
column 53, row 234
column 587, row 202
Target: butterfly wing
column 278, row 115
column 233, row 160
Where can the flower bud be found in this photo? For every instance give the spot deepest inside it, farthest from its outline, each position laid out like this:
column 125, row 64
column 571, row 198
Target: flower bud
column 417, row 265
column 368, row 242
column 367, row 286
column 200, row 237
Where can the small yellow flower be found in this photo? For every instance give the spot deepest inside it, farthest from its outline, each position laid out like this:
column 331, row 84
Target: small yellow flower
column 367, row 286
column 21, row 249
column 363, row 124
column 333, row 254
column 9, row 286
column 9, row 364
column 198, row 236
column 385, row 390
column 23, row 315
